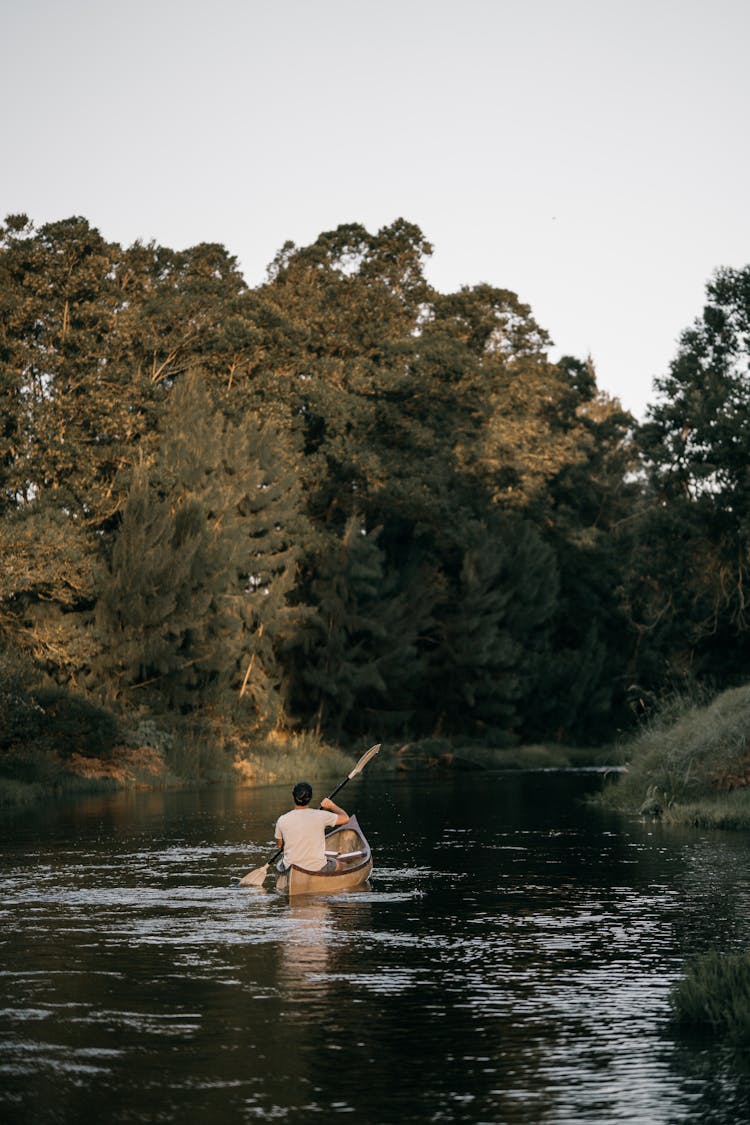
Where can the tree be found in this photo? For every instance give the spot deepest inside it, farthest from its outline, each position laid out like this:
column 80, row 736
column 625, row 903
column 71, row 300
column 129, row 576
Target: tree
column 59, row 302
column 584, row 515
column 496, row 606
column 356, row 665
column 92, row 338
column 47, row 589
column 346, row 305
column 195, row 594
column 431, row 413
column 304, row 515
column 687, row 591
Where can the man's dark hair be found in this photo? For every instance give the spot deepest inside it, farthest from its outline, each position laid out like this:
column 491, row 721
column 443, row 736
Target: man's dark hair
column 302, row 793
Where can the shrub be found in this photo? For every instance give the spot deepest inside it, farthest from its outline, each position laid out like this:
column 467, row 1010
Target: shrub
column 21, row 716
column 15, row 793
column 74, row 725
column 149, row 731
column 38, row 719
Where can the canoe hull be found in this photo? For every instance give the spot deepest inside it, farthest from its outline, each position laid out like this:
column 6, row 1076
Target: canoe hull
column 355, row 869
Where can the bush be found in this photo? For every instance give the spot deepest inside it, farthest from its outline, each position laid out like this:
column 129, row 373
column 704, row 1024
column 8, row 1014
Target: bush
column 21, row 716
column 74, row 725
column 714, row 995
column 38, row 719
column 151, row 732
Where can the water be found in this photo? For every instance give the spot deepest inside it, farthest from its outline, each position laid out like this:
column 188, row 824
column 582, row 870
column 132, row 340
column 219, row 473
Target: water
column 511, row 962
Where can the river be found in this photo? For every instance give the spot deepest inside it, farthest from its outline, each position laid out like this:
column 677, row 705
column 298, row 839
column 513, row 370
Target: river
column 511, row 961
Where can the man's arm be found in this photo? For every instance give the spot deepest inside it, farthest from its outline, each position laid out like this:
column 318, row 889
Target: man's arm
column 342, row 817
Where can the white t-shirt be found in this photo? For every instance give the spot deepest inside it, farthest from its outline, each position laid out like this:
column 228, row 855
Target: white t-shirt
column 303, row 833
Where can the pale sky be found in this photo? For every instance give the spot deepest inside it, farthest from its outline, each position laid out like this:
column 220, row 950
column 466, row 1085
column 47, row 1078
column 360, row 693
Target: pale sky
column 590, row 155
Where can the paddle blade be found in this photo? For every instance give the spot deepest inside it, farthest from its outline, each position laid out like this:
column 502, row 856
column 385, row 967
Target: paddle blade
column 255, row 878
column 366, row 757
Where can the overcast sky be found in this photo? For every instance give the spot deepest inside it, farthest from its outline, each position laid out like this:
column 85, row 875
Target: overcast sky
column 591, row 155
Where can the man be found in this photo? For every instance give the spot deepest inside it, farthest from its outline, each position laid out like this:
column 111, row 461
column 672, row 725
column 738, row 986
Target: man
column 301, row 832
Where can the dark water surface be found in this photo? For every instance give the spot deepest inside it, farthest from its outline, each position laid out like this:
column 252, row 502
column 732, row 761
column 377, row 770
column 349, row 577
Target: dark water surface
column 511, row 963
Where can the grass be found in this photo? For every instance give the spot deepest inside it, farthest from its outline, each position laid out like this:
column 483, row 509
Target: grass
column 714, row 996
column 151, row 753
column 437, row 753
column 16, row 794
column 290, row 758
column 691, row 765
column 727, row 811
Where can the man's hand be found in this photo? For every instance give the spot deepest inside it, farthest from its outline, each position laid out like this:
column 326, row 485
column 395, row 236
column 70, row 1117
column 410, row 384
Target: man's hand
column 329, row 806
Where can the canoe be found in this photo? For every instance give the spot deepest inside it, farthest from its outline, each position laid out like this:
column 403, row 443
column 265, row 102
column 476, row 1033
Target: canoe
column 348, row 845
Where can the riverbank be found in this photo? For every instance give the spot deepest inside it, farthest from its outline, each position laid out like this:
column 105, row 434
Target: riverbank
column 691, row 765
column 32, row 777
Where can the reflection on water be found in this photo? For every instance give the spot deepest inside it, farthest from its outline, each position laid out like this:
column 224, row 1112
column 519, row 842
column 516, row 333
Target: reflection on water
column 305, row 955
column 511, row 963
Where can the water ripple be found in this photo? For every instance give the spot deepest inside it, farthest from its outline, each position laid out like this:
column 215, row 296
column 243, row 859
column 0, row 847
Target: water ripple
column 521, row 968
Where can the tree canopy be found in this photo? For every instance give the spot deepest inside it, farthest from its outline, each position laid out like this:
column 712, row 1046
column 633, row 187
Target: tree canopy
column 343, row 501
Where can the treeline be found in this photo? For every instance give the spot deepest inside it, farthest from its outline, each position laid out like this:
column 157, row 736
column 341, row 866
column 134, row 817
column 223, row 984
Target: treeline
column 344, row 502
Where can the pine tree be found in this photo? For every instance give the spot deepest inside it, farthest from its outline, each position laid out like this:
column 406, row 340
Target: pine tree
column 149, row 575
column 497, row 606
column 333, row 662
column 199, row 615
column 271, row 533
column 356, row 665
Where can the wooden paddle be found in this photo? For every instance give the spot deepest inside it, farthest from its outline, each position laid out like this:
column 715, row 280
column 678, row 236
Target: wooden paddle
column 257, row 877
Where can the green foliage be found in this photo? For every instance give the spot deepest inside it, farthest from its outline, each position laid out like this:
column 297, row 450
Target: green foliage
column 341, row 502
column 149, row 575
column 688, row 753
column 42, row 724
column 358, row 647
column 17, row 794
column 579, row 687
column 196, row 589
column 685, row 587
column 296, row 755
column 728, row 811
column 713, row 996
column 153, row 732
column 92, row 336
column 76, row 725
column 47, row 582
column 21, row 714
column 199, row 753
column 499, row 598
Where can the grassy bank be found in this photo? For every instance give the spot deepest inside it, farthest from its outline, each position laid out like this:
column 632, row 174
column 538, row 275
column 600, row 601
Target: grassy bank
column 168, row 761
column 691, row 765
column 153, row 757
column 442, row 753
